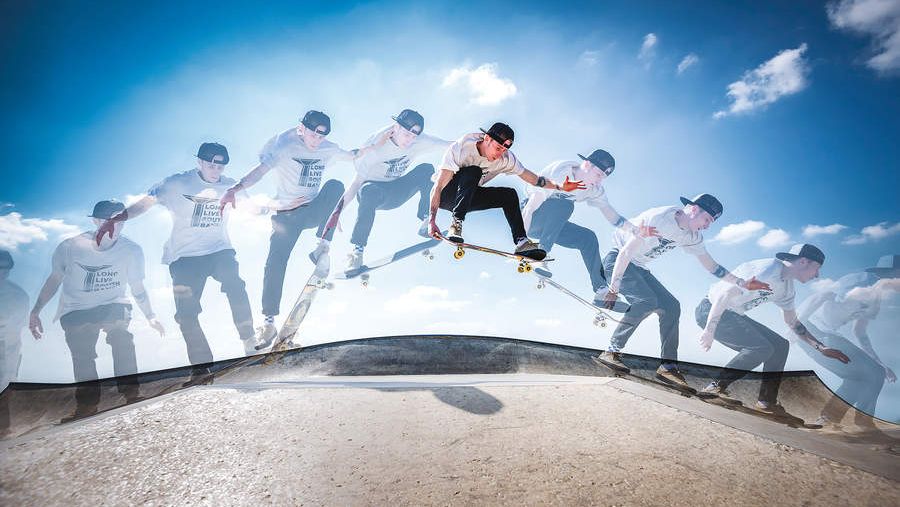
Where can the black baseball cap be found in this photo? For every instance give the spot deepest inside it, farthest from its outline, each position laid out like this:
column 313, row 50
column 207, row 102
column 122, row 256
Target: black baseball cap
column 314, row 119
column 806, row 251
column 209, row 151
column 502, row 133
column 408, row 119
column 888, row 266
column 105, row 210
column 602, row 159
column 707, row 203
column 6, row 260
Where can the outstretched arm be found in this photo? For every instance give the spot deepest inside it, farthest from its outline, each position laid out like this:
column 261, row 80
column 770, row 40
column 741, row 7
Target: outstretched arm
column 719, row 271
column 250, row 179
column 617, row 220
column 542, row 182
column 800, row 331
column 135, row 210
column 444, row 177
column 719, row 305
column 51, row 285
column 143, row 302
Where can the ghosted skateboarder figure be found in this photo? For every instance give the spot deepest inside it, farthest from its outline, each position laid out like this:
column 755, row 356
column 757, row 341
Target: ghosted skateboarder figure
column 626, row 267
column 93, row 280
column 855, row 300
column 469, row 163
column 722, row 316
column 546, row 214
column 383, row 182
column 198, row 247
column 13, row 318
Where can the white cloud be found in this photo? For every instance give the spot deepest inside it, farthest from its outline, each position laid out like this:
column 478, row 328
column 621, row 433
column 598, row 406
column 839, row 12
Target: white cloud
column 15, row 230
column 873, row 233
column 825, row 285
column 879, row 19
column 784, row 74
column 811, row 231
column 648, row 48
column 687, row 62
column 774, row 238
column 590, row 57
column 483, row 84
column 423, row 299
column 733, row 234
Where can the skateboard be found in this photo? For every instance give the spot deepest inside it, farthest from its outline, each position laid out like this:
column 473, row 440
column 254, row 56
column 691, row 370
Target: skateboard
column 525, row 264
column 362, row 272
column 626, row 373
column 601, row 315
column 285, row 338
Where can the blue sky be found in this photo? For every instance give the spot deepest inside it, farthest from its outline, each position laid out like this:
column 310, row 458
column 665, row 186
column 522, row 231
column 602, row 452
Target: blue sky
column 106, row 99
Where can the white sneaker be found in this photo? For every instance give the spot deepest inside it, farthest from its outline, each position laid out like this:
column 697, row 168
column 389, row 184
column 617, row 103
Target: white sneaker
column 355, row 259
column 265, row 334
column 454, row 234
column 528, row 248
column 424, row 227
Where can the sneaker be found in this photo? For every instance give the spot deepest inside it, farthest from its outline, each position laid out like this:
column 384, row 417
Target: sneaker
column 673, row 377
column 320, row 250
column 454, row 234
column 611, row 360
column 355, row 259
column 714, row 390
column 528, row 248
column 249, row 345
column 769, row 407
column 424, row 227
column 265, row 335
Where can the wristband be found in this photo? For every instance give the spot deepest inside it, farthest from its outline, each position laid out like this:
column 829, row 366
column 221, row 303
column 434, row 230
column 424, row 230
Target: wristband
column 541, row 181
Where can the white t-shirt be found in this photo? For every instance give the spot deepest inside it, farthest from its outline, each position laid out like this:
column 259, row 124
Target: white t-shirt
column 389, row 161
column 13, row 318
column 464, row 153
column 594, row 194
column 299, row 169
column 765, row 270
column 850, row 304
column 670, row 236
column 94, row 277
column 197, row 226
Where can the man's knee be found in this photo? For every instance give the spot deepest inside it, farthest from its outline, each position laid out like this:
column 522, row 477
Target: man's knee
column 424, row 171
column 670, row 307
column 332, row 187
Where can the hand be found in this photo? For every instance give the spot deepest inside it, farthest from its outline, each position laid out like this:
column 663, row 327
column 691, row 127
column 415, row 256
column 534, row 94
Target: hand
column 228, row 198
column 610, row 299
column 433, row 230
column 889, row 375
column 754, row 284
column 155, row 324
column 835, row 354
column 706, row 339
column 647, row 231
column 569, row 186
column 36, row 326
column 109, row 226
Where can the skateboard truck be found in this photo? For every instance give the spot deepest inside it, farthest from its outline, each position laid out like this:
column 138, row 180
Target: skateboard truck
column 600, row 320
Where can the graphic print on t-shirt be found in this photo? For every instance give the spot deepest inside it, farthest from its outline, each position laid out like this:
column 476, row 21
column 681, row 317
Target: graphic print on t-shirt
column 762, row 297
column 396, row 166
column 311, row 172
column 664, row 246
column 206, row 211
column 99, row 278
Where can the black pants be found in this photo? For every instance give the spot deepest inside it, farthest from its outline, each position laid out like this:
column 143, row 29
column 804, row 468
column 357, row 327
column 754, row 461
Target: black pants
column 755, row 344
column 286, row 228
column 189, row 275
column 463, row 194
column 550, row 225
column 385, row 195
column 82, row 329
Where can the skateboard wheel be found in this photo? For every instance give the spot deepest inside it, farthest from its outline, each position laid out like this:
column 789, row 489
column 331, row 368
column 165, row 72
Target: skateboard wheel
column 458, row 254
column 365, row 283
column 329, row 285
column 521, row 268
column 540, row 284
column 431, row 257
column 528, row 268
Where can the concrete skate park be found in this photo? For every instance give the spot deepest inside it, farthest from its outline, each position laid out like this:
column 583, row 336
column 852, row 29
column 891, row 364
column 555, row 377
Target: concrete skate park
column 439, row 420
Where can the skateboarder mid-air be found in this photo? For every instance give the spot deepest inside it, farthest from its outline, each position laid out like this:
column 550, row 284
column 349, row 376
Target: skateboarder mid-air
column 546, row 214
column 721, row 314
column 383, row 182
column 198, row 247
column 625, row 266
column 300, row 156
column 469, row 163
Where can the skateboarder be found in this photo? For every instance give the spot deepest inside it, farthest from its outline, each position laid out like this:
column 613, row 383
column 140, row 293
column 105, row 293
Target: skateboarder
column 469, row 163
column 626, row 268
column 722, row 316
column 198, row 247
column 857, row 300
column 382, row 181
column 13, row 317
column 546, row 213
column 300, row 156
column 93, row 280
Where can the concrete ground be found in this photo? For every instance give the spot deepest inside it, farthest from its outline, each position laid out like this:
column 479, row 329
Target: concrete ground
column 436, row 421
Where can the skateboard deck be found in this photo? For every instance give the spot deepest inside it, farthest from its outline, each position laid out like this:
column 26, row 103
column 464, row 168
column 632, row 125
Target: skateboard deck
column 601, row 315
column 363, row 271
column 525, row 264
column 316, row 281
